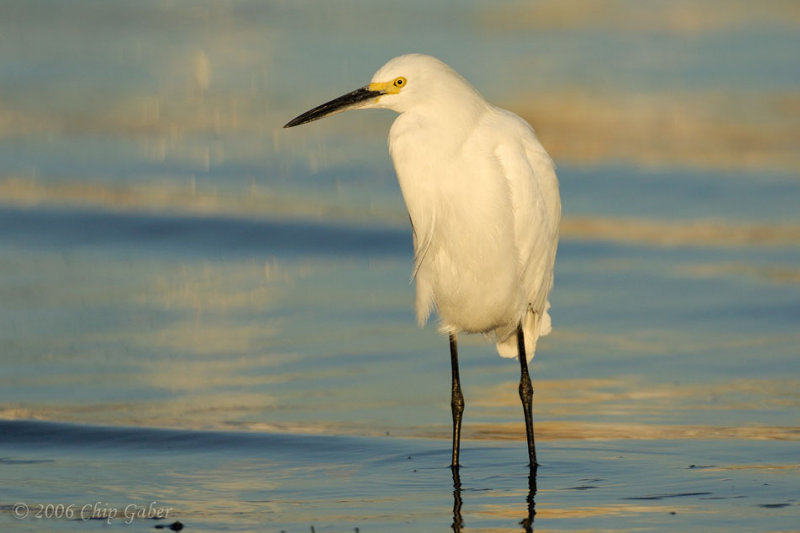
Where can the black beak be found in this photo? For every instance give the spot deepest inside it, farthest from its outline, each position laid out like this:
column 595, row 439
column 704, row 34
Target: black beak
column 336, row 105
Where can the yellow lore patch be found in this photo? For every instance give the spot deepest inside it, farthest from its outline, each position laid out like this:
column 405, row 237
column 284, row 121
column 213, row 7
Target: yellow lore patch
column 388, row 87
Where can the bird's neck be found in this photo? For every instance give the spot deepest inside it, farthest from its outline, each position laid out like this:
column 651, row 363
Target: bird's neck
column 449, row 119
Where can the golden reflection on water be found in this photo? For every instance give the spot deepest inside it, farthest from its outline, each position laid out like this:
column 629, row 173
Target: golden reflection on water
column 154, row 196
column 680, row 233
column 571, row 401
column 581, row 430
column 717, row 131
column 676, row 16
column 543, row 511
column 772, row 273
column 213, row 338
column 165, row 118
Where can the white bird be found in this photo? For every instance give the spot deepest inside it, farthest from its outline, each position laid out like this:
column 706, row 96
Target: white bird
column 483, row 200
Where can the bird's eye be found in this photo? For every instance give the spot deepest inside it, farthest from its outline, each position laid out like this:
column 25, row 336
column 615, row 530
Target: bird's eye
column 399, row 82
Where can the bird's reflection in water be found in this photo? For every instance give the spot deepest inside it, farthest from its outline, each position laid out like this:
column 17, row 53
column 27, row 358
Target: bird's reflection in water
column 457, row 520
column 526, row 523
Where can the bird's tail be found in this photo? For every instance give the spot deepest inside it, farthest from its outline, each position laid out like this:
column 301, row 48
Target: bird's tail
column 534, row 325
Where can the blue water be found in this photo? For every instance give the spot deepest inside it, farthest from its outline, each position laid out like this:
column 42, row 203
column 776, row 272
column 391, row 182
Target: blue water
column 228, row 481
column 201, row 309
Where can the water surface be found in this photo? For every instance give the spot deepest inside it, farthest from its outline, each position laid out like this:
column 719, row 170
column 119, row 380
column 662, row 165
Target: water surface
column 203, row 310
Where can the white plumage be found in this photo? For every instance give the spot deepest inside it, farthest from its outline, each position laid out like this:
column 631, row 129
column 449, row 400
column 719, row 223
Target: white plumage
column 482, row 195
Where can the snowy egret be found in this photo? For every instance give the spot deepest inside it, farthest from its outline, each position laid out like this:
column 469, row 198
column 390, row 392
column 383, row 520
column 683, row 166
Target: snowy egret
column 482, row 196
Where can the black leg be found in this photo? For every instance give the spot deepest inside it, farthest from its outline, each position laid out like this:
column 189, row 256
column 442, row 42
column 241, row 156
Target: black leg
column 526, row 395
column 456, row 400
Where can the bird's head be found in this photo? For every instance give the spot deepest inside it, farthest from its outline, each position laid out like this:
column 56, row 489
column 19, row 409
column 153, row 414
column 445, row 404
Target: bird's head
column 404, row 82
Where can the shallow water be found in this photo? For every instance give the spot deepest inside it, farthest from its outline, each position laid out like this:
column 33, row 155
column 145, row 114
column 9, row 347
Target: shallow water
column 228, row 481
column 202, row 310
